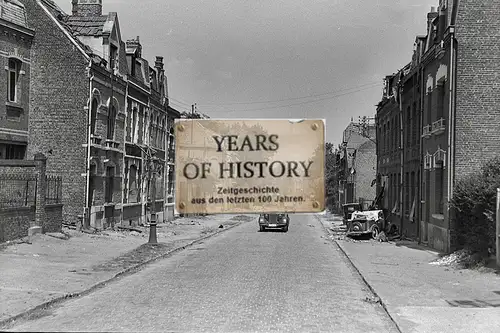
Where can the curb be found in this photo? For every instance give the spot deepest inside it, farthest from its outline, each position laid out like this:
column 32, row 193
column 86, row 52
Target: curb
column 130, row 270
column 384, row 306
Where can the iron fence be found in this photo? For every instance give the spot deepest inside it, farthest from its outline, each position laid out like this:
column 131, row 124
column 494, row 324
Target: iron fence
column 53, row 193
column 17, row 191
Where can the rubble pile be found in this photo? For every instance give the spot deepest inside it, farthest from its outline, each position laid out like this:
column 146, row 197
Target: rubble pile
column 457, row 258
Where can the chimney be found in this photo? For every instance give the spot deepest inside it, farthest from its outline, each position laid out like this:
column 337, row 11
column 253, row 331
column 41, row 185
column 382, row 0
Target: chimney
column 135, row 44
column 432, row 15
column 87, row 8
column 159, row 63
column 160, row 72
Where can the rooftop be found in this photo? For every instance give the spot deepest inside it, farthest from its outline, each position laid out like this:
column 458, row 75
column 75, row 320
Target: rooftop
column 86, row 26
column 13, row 11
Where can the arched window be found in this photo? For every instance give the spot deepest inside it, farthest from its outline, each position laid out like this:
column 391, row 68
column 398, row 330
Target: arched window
column 111, row 121
column 93, row 115
column 13, row 80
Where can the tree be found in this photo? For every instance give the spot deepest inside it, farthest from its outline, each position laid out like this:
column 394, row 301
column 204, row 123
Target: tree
column 331, row 179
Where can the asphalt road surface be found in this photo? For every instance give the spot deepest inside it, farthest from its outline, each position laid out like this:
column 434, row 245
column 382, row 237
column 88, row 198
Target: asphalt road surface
column 240, row 281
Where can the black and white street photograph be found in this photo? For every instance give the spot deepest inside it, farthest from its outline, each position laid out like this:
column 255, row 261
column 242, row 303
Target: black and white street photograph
column 250, row 166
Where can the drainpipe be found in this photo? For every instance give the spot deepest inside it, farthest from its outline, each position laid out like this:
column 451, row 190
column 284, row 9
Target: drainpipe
column 125, row 177
column 401, row 181
column 451, row 122
column 421, row 151
column 86, row 215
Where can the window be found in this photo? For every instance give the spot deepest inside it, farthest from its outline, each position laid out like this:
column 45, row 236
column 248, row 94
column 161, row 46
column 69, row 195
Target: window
column 429, row 107
column 427, row 186
column 132, row 66
column 151, row 130
column 396, row 132
column 408, row 126
column 133, row 185
column 441, row 99
column 92, row 184
column 133, row 134
column 439, row 173
column 412, row 190
column 113, row 54
column 12, row 152
column 140, row 124
column 415, row 124
column 170, row 180
column 111, row 122
column 110, row 174
column 407, row 193
column 93, row 116
column 13, row 80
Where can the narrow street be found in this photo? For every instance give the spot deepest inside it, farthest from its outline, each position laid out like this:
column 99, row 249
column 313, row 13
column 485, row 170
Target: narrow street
column 240, row 281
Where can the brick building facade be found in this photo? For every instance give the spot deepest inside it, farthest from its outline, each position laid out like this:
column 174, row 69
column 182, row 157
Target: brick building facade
column 447, row 100
column 356, row 163
column 147, row 131
column 15, row 44
column 86, row 102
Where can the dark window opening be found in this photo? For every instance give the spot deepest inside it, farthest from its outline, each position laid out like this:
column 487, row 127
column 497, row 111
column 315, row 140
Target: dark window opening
column 113, row 53
column 441, row 97
column 427, row 195
column 13, row 80
column 12, row 152
column 93, row 116
column 439, row 173
column 92, row 183
column 110, row 174
column 111, row 122
column 429, row 107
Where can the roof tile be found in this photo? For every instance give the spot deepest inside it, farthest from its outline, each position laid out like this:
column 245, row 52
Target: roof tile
column 86, row 26
column 13, row 11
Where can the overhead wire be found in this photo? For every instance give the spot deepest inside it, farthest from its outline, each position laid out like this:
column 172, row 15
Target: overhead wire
column 300, row 103
column 292, row 98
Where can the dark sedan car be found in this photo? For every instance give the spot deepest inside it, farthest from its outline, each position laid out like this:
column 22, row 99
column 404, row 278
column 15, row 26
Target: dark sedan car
column 274, row 221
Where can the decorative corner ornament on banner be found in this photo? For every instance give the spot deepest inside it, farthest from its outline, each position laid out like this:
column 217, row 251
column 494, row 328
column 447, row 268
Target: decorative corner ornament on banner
column 249, row 166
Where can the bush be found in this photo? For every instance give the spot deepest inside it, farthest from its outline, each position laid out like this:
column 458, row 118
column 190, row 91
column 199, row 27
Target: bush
column 474, row 201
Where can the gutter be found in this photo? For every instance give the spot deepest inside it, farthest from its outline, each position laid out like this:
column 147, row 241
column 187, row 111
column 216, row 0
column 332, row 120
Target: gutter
column 421, row 151
column 89, row 148
column 124, row 168
column 401, row 180
column 451, row 122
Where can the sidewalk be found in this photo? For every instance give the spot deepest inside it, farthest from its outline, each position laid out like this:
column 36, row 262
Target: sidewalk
column 67, row 264
column 420, row 295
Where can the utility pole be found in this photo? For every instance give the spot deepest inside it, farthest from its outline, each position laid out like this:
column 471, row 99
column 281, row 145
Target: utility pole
column 497, row 234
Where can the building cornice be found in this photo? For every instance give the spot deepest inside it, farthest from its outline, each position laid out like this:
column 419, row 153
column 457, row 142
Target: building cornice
column 26, row 31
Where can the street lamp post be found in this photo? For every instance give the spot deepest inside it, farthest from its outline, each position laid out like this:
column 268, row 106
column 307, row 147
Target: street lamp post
column 152, row 206
column 152, row 163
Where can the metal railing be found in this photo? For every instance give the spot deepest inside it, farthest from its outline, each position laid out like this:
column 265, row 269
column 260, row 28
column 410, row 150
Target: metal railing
column 426, row 131
column 17, row 191
column 438, row 125
column 53, row 193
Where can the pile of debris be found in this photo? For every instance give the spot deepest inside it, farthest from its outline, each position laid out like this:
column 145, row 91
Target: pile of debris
column 460, row 259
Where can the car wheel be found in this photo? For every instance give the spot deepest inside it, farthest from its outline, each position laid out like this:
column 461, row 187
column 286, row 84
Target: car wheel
column 285, row 229
column 262, row 229
column 374, row 232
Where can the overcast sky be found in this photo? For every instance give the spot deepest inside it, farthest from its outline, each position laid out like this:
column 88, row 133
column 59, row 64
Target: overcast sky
column 275, row 58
